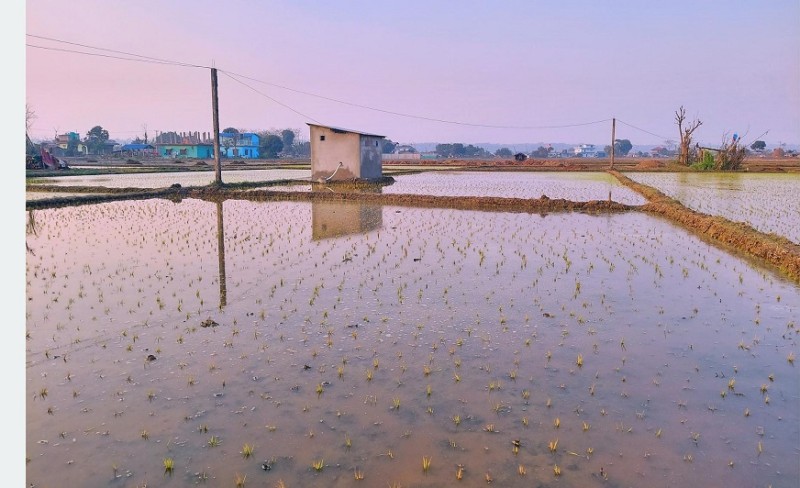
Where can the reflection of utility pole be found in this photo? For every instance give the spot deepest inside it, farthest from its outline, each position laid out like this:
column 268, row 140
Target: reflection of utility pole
column 223, row 291
column 215, row 112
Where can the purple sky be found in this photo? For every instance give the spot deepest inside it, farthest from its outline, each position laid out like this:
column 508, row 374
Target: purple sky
column 735, row 65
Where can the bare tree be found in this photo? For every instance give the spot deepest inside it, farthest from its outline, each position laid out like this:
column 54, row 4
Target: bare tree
column 30, row 116
column 684, row 156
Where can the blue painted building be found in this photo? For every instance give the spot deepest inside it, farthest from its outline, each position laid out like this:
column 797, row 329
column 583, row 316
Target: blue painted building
column 198, row 151
column 243, row 145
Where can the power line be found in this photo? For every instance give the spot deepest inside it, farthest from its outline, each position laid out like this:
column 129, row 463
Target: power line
column 645, row 131
column 110, row 56
column 163, row 61
column 432, row 119
column 269, row 97
column 344, row 102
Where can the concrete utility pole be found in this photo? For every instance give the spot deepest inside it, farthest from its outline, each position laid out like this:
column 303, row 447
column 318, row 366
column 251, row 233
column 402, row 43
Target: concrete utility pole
column 215, row 111
column 613, row 138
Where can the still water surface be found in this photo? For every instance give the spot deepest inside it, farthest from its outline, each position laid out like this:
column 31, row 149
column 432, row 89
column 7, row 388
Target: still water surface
column 365, row 338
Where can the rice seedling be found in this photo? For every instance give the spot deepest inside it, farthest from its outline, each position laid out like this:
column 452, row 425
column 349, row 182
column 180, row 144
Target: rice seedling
column 459, row 472
column 426, row 463
column 169, row 465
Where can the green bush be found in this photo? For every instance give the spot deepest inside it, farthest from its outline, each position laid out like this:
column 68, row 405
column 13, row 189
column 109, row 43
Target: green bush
column 706, row 164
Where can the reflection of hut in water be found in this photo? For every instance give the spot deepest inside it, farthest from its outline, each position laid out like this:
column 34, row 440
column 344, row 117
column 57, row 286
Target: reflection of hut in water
column 335, row 219
column 344, row 155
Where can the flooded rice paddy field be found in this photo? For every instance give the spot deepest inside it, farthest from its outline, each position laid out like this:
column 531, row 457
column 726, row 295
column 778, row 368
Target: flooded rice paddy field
column 575, row 186
column 324, row 344
column 766, row 202
column 166, row 179
column 46, row 195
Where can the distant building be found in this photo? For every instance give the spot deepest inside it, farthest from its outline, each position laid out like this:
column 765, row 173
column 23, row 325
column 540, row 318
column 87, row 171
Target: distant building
column 243, row 145
column 585, row 151
column 198, row 150
column 341, row 154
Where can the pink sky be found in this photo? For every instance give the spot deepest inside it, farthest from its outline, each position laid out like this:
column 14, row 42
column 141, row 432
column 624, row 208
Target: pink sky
column 517, row 64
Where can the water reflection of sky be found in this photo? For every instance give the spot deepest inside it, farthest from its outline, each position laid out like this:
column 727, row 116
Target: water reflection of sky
column 661, row 320
column 766, row 202
column 162, row 180
column 574, row 186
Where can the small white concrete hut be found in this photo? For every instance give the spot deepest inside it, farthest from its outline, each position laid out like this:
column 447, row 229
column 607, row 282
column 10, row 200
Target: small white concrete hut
column 344, row 155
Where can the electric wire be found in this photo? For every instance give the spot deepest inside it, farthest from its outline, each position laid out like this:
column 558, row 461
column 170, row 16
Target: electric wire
column 162, row 61
column 269, row 97
column 432, row 119
column 232, row 75
column 645, row 131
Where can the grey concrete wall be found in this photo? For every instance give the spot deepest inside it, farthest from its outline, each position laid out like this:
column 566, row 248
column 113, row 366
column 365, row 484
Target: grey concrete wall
column 371, row 161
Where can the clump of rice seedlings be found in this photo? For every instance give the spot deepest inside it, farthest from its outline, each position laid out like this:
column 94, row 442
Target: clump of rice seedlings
column 526, row 394
column 358, row 474
column 203, row 428
column 396, row 403
column 521, row 470
column 239, row 480
column 557, row 423
column 319, row 389
column 214, row 441
column 459, row 472
column 790, row 358
column 247, row 450
column 318, row 465
column 553, row 445
column 426, row 463
column 556, row 470
column 585, row 426
column 579, row 360
column 428, row 390
column 369, row 375
column 145, row 435
column 457, row 419
column 169, row 465
column 348, row 443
